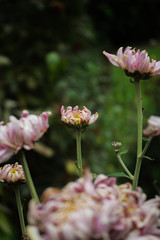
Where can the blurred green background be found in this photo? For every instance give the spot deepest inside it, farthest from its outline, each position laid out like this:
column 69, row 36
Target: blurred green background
column 51, row 55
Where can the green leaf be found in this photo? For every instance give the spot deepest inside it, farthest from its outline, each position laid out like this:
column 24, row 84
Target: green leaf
column 118, row 174
column 5, row 224
column 123, row 152
column 151, row 159
column 145, row 139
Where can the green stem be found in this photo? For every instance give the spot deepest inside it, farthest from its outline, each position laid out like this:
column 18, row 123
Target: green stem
column 146, row 146
column 124, row 166
column 29, row 179
column 20, row 210
column 139, row 133
column 79, row 154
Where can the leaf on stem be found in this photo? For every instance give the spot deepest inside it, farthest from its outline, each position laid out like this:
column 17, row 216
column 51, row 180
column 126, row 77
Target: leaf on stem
column 123, row 152
column 118, row 174
column 151, row 159
column 145, row 139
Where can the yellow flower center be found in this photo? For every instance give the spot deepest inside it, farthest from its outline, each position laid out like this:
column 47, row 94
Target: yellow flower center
column 13, row 171
column 76, row 116
column 73, row 204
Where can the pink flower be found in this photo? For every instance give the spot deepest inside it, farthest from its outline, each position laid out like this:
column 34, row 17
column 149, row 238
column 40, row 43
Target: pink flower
column 135, row 236
column 153, row 128
column 11, row 140
column 77, row 118
column 99, row 209
column 33, row 127
column 12, row 173
column 22, row 133
column 135, row 64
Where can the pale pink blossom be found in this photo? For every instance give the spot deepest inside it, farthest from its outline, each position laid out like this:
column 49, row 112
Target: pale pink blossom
column 136, row 64
column 12, row 173
column 100, row 209
column 153, row 127
column 135, row 235
column 33, row 127
column 21, row 133
column 76, row 117
column 11, row 140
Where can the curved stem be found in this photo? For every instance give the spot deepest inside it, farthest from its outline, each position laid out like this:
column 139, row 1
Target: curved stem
column 29, row 179
column 139, row 133
column 146, row 146
column 79, row 154
column 124, row 166
column 20, row 209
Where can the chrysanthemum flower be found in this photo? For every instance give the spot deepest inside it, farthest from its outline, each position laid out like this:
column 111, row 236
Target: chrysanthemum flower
column 21, row 133
column 33, row 127
column 76, row 117
column 11, row 140
column 136, row 64
column 153, row 128
column 12, row 173
column 135, row 236
column 100, row 209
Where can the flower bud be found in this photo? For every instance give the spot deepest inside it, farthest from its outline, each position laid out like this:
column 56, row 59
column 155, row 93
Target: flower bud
column 12, row 173
column 77, row 118
column 116, row 145
column 153, row 127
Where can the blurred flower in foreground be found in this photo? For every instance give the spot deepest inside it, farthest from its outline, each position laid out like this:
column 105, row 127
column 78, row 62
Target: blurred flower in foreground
column 100, row 209
column 153, row 128
column 22, row 133
column 77, row 118
column 135, row 64
column 12, row 173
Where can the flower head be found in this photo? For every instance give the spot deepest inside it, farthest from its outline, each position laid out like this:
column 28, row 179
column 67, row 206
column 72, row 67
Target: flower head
column 12, row 173
column 11, row 140
column 21, row 133
column 33, row 127
column 76, row 117
column 136, row 64
column 153, row 128
column 99, row 209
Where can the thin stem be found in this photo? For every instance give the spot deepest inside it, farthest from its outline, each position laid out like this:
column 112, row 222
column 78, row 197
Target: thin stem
column 146, row 147
column 139, row 133
column 79, row 154
column 29, row 179
column 123, row 165
column 20, row 209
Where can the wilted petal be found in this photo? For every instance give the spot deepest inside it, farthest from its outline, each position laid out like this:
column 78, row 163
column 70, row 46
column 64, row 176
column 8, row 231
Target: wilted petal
column 136, row 235
column 11, row 140
column 153, row 127
column 24, row 113
column 120, row 53
column 5, row 154
column 93, row 118
column 62, row 110
column 33, row 233
column 116, row 61
column 33, row 127
column 156, row 69
column 21, row 133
